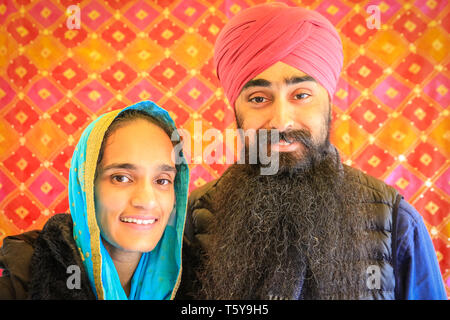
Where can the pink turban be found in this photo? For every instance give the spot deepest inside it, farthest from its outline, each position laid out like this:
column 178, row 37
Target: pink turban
column 262, row 35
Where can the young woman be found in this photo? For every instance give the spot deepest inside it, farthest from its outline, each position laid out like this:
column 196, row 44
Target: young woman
column 123, row 237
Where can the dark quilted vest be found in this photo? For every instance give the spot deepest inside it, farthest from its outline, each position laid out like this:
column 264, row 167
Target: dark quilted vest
column 382, row 203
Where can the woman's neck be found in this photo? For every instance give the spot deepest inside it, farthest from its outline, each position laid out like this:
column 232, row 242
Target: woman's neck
column 125, row 262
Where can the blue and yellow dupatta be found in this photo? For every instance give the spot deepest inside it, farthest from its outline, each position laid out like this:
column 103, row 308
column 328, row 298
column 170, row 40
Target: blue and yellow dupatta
column 158, row 273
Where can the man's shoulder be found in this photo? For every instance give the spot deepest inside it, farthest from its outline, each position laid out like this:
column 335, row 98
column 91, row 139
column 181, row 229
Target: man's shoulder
column 202, row 194
column 375, row 188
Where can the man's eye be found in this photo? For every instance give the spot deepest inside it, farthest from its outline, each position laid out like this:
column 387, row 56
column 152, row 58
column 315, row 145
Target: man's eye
column 300, row 96
column 120, row 179
column 258, row 99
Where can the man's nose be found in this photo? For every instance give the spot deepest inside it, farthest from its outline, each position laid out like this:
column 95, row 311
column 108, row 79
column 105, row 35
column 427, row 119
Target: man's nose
column 144, row 196
column 282, row 116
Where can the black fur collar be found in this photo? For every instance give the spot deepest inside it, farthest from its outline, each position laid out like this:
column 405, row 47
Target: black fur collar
column 55, row 251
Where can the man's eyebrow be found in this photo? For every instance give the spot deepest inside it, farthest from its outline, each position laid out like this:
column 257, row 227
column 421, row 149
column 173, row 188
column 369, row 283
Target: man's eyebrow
column 257, row 83
column 295, row 80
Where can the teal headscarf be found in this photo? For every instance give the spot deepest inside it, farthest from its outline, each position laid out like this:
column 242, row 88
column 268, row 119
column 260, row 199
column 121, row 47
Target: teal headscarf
column 158, row 273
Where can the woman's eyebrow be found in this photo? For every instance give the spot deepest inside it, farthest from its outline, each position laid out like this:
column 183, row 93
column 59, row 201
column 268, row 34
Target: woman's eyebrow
column 127, row 166
column 166, row 167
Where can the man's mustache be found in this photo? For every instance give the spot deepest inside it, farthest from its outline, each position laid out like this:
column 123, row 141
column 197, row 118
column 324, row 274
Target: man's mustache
column 298, row 135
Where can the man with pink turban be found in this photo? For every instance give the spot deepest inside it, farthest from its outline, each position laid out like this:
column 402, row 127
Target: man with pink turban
column 316, row 228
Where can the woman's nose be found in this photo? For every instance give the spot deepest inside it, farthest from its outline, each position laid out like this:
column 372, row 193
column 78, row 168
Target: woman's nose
column 144, row 196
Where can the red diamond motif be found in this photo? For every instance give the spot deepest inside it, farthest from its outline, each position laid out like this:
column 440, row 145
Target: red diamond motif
column 209, row 72
column 6, row 11
column 117, row 4
column 165, row 33
column 431, row 8
column 22, row 211
column 22, row 164
column 22, row 117
column 119, row 75
column 70, row 117
column 141, row 14
column 62, row 206
column 210, row 28
column 44, row 94
column 94, row 96
column 374, row 161
column 420, row 112
column 443, row 250
column 189, row 11
column 426, row 159
column 22, row 30
column 391, row 92
column 6, row 186
column 333, row 11
column 202, row 177
column 69, row 74
column 444, row 181
column 364, row 71
column 178, row 114
column 46, row 188
column 439, row 90
column 387, row 8
column 144, row 90
column 410, row 26
column 45, row 12
column 432, row 207
column 93, row 15
column 70, row 38
column 20, row 71
column 219, row 115
column 6, row 93
column 445, row 22
column 414, row 68
column 356, row 29
column 168, row 73
column 404, row 181
column 62, row 161
column 194, row 93
column 118, row 35
column 369, row 115
column 233, row 7
column 345, row 94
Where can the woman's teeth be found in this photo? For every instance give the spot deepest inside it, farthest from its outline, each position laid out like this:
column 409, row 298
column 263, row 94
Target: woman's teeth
column 138, row 221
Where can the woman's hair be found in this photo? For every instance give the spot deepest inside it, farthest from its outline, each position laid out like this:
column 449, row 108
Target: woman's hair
column 124, row 118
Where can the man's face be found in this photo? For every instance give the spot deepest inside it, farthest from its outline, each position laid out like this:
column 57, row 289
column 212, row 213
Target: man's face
column 286, row 99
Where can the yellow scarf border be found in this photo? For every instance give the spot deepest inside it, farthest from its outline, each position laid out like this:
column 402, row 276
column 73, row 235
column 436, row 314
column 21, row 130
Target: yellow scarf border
column 92, row 149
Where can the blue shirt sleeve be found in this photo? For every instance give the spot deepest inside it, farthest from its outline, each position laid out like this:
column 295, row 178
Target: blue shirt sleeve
column 417, row 272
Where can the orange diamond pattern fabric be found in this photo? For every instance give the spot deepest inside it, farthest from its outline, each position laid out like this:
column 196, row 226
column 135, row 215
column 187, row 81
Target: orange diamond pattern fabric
column 391, row 115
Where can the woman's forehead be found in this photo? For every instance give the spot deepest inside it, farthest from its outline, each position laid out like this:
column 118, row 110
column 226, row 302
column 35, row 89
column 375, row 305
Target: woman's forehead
column 138, row 141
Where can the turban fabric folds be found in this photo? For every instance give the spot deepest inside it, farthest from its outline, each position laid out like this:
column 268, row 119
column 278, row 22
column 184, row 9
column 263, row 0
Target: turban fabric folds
column 262, row 35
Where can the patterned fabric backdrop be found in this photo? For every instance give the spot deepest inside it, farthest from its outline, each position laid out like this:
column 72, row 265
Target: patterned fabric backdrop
column 391, row 116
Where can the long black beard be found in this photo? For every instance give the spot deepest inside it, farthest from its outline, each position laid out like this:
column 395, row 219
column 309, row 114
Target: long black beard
column 291, row 236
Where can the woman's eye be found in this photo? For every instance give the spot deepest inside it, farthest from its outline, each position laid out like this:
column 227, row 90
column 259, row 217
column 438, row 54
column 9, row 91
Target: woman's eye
column 120, row 179
column 163, row 182
column 258, row 99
